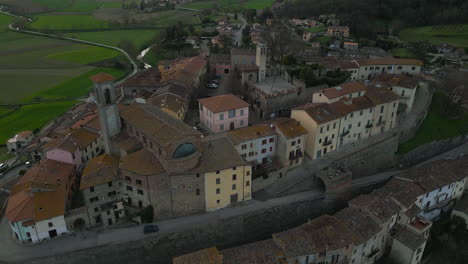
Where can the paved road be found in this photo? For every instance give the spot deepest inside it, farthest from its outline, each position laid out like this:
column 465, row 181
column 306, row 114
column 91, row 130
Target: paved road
column 10, row 175
column 237, row 36
column 10, row 251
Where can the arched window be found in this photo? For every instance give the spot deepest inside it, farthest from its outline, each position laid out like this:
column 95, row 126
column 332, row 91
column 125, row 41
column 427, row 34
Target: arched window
column 184, row 150
column 107, row 96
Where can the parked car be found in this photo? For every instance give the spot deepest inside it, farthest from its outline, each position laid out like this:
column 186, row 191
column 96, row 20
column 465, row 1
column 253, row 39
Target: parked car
column 212, row 85
column 28, row 164
column 150, row 229
column 214, row 81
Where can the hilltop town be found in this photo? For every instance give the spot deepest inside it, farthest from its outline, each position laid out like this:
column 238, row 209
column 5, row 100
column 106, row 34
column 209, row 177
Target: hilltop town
column 265, row 114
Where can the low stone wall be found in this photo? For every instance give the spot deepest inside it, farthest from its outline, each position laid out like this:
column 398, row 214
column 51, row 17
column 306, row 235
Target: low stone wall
column 429, row 150
column 223, row 233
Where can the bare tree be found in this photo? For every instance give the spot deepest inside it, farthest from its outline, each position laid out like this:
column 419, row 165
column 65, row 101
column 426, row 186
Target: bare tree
column 455, row 86
column 278, row 40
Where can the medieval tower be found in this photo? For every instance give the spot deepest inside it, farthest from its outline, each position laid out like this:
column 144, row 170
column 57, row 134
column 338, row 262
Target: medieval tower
column 108, row 111
column 261, row 59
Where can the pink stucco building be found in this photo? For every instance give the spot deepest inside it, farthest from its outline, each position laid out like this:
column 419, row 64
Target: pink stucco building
column 220, row 64
column 64, row 150
column 223, row 113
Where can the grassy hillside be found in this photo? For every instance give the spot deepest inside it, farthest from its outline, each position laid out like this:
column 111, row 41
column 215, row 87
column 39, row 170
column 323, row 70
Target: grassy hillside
column 456, row 35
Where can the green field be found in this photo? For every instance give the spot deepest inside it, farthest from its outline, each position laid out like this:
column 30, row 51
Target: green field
column 315, row 29
column 74, row 88
column 4, row 155
column 166, row 18
column 53, row 4
column 230, row 5
column 139, row 38
column 402, row 53
column 436, row 126
column 87, row 54
column 32, row 66
column 456, row 35
column 67, row 22
column 31, row 117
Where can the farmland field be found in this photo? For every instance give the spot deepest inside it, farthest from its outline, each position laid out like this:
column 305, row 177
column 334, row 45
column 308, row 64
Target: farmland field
column 139, row 38
column 87, row 54
column 456, row 35
column 73, row 88
column 40, row 6
column 67, row 22
column 229, row 5
column 30, row 117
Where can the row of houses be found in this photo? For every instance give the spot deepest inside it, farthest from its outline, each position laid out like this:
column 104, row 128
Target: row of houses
column 395, row 219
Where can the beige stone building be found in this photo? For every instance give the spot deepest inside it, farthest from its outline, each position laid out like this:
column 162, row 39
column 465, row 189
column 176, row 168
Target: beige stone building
column 368, row 68
column 291, row 142
column 101, row 187
column 228, row 178
column 344, row 114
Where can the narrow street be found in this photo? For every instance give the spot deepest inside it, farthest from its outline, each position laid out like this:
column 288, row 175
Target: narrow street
column 237, row 36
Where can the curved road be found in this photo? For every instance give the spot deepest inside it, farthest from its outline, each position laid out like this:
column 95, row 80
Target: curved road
column 129, row 58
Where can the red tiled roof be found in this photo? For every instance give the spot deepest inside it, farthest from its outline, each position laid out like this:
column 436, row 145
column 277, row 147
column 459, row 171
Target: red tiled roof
column 102, row 77
column 222, row 103
column 343, row 89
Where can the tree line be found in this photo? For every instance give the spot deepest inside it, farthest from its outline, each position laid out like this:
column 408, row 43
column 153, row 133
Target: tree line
column 366, row 18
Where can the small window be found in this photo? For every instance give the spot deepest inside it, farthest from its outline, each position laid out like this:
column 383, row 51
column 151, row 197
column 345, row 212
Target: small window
column 217, row 172
column 197, row 191
column 293, row 143
column 234, row 177
column 96, row 209
column 50, row 224
column 109, row 184
column 140, row 192
column 234, row 168
column 128, row 178
column 247, row 183
column 218, row 201
column 264, row 150
column 233, row 186
column 272, row 140
column 218, row 191
column 91, row 189
column 264, row 142
column 139, row 182
column 129, row 188
column 110, row 194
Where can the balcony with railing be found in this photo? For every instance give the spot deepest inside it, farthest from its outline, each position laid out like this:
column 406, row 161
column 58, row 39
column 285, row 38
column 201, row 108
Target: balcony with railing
column 420, row 225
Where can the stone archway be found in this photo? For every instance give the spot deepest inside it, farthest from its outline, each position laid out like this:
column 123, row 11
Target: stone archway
column 79, row 224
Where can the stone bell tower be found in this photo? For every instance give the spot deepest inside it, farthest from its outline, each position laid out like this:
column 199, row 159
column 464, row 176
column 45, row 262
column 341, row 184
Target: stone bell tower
column 108, row 111
column 261, row 59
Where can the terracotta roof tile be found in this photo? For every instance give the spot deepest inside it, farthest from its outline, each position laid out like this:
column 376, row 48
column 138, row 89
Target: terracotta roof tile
column 204, row 256
column 380, row 94
column 290, row 127
column 141, row 162
column 343, row 89
column 24, row 134
column 100, row 170
column 149, row 78
column 390, row 61
column 222, row 103
column 402, row 80
column 169, row 101
column 253, row 132
column 155, row 123
column 83, row 138
column 102, row 77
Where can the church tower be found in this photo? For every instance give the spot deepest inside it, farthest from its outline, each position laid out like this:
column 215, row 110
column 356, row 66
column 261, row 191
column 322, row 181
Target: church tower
column 261, row 59
column 108, row 111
